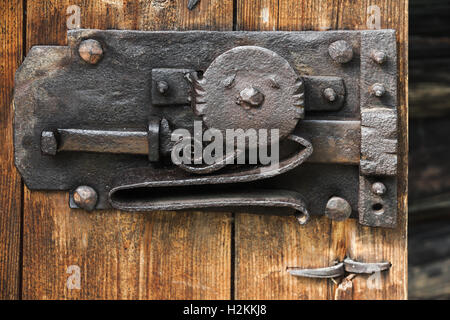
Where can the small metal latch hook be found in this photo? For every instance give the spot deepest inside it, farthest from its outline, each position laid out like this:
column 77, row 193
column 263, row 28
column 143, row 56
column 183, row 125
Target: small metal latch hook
column 338, row 270
column 327, row 272
column 192, row 3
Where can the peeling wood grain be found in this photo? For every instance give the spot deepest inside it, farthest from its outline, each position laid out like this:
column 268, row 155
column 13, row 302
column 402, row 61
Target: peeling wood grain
column 10, row 185
column 344, row 290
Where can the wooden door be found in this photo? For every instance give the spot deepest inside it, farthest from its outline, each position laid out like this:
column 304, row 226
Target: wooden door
column 48, row 251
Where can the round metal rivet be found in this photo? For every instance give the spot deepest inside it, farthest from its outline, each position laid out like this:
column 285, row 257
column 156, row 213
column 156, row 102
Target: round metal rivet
column 162, row 86
column 90, row 51
column 330, row 94
column 378, row 188
column 378, row 89
column 379, row 56
column 250, row 97
column 338, row 209
column 85, row 197
column 341, row 51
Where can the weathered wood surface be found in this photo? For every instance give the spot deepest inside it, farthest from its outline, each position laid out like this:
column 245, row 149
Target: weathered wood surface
column 429, row 180
column 429, row 17
column 429, row 76
column 161, row 255
column 429, row 253
column 266, row 246
column 429, row 154
column 11, row 15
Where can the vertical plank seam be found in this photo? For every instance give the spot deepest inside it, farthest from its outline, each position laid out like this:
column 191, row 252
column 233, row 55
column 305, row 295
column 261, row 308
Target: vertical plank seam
column 337, row 14
column 406, row 143
column 233, row 257
column 22, row 192
column 234, row 15
column 278, row 15
column 233, row 215
column 20, row 293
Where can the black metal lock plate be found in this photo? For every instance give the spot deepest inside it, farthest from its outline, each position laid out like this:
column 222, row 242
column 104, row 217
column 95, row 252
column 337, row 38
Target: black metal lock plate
column 99, row 113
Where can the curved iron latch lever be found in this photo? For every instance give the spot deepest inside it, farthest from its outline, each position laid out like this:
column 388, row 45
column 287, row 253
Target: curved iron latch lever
column 140, row 195
column 96, row 120
column 338, row 270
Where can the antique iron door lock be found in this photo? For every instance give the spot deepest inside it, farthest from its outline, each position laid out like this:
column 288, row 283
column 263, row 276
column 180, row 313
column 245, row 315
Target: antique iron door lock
column 104, row 117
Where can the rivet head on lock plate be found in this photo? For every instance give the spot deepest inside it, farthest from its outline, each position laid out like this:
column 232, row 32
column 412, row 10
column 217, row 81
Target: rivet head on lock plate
column 379, row 56
column 250, row 97
column 379, row 188
column 330, row 94
column 85, row 197
column 91, row 51
column 338, row 209
column 378, row 89
column 162, row 87
column 341, row 51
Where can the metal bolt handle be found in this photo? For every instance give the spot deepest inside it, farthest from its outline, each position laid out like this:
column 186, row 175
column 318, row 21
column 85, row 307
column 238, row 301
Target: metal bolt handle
column 104, row 141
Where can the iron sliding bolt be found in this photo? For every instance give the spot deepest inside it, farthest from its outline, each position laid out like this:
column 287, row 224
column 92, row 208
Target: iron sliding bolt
column 338, row 270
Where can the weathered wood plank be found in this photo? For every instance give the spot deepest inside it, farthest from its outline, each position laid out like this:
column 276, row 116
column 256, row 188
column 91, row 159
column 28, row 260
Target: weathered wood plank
column 429, row 17
column 11, row 24
column 266, row 246
column 429, row 262
column 160, row 255
column 429, row 90
column 368, row 244
column 429, row 167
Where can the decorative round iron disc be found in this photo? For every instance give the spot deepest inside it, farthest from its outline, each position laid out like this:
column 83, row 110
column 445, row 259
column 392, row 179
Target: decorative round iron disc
column 250, row 87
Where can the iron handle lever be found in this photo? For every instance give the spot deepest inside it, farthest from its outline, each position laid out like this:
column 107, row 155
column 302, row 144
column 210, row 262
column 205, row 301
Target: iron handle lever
column 137, row 142
column 326, row 272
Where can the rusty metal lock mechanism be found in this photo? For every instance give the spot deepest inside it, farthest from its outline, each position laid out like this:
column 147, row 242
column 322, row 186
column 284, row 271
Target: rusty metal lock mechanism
column 142, row 121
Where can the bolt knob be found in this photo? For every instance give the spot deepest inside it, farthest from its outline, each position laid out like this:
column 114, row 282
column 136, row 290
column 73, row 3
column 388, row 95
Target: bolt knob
column 341, row 51
column 49, row 143
column 379, row 188
column 330, row 94
column 379, row 57
column 250, row 97
column 162, row 87
column 85, row 197
column 378, row 89
column 90, row 51
column 338, row 209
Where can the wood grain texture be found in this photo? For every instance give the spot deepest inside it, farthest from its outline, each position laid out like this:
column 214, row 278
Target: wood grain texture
column 266, row 246
column 429, row 89
column 429, row 253
column 121, row 255
column 11, row 15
